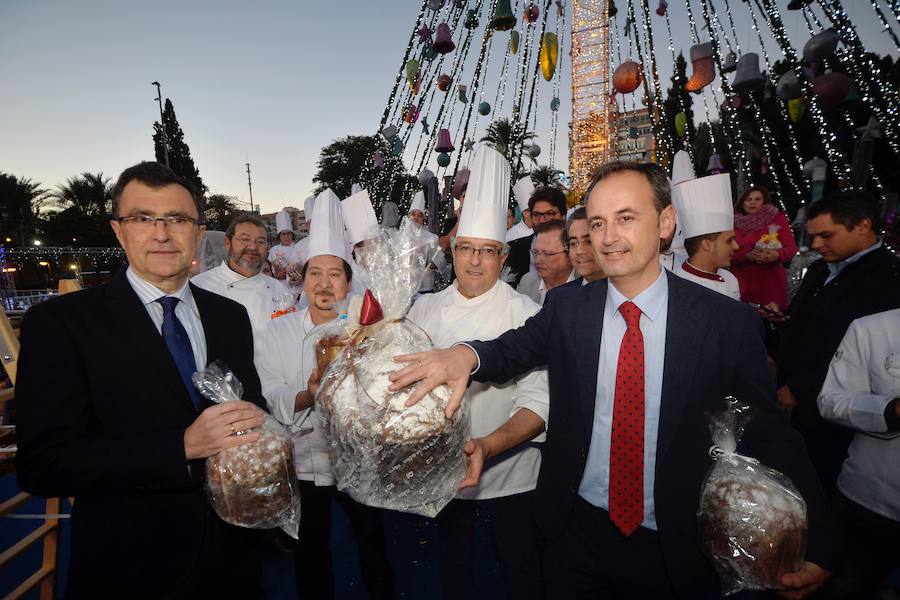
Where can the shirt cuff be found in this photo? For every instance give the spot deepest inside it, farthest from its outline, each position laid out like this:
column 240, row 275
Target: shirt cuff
column 477, row 358
column 890, row 416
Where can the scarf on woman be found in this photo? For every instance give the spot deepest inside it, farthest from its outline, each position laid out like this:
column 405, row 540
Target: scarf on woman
column 757, row 220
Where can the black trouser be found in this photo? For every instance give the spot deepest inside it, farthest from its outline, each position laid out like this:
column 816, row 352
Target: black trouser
column 515, row 536
column 312, row 554
column 592, row 559
column 871, row 551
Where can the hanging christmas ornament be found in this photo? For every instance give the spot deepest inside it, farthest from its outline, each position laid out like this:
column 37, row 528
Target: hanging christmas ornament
column 390, row 132
column 704, row 69
column 424, row 34
column 443, row 159
column 560, row 9
column 732, row 102
column 444, row 82
column 471, row 19
column 796, row 109
column 425, row 127
column 714, row 167
column 468, row 145
column 435, row 4
column 532, row 12
column 429, row 54
column 396, row 146
column 611, row 9
column 484, row 108
column 461, row 93
column 747, row 76
column 503, row 18
column 513, row 42
column 862, row 151
column 534, row 151
column 549, row 52
column 680, row 124
column 554, row 104
column 820, row 46
column 443, row 40
column 411, row 113
column 443, row 142
column 816, row 170
column 412, row 72
column 831, row 89
column 661, row 9
column 788, row 87
column 730, row 63
column 627, row 77
column 378, row 160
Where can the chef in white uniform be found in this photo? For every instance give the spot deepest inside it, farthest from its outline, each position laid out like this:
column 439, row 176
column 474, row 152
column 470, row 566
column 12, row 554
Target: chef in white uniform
column 507, row 420
column 284, row 370
column 437, row 262
column 240, row 279
column 280, row 254
column 522, row 191
column 361, row 224
column 672, row 252
column 706, row 214
column 301, row 248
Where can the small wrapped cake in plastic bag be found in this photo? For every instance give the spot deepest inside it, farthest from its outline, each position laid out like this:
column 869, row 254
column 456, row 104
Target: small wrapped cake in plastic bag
column 383, row 453
column 251, row 485
column 752, row 519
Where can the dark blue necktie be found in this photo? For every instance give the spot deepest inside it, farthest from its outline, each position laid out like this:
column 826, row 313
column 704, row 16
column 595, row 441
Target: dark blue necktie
column 179, row 344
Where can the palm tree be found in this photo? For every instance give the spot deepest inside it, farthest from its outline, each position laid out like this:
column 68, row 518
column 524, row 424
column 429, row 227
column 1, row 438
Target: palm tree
column 90, row 193
column 544, row 176
column 220, row 210
column 20, row 201
column 508, row 138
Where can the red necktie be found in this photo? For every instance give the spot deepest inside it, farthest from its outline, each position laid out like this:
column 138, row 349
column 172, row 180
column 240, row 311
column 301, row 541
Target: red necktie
column 626, row 453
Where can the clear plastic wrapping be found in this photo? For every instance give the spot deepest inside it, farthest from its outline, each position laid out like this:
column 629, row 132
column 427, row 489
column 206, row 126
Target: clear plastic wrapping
column 383, row 453
column 252, row 485
column 752, row 519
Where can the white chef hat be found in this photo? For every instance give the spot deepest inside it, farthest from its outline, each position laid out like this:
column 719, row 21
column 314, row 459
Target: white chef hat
column 704, row 205
column 523, row 190
column 682, row 170
column 483, row 214
column 418, row 202
column 283, row 221
column 355, row 189
column 359, row 217
column 327, row 235
column 308, row 205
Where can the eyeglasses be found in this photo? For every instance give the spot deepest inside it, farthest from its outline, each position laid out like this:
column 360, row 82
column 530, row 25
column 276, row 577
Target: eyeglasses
column 542, row 254
column 487, row 251
column 249, row 240
column 550, row 214
column 173, row 223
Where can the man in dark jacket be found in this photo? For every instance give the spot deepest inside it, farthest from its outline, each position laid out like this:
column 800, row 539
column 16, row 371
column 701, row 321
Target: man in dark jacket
column 856, row 276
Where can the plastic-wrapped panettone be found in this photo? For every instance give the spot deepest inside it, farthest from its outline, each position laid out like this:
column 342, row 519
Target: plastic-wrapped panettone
column 251, row 485
column 752, row 519
column 384, row 453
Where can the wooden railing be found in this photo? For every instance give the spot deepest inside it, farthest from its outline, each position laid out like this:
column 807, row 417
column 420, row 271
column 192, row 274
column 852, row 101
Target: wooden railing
column 48, row 533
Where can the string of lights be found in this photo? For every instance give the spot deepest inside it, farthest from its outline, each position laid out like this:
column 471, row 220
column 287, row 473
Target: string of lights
column 655, row 102
column 534, row 83
column 687, row 130
column 695, row 39
column 554, row 112
column 409, row 47
column 886, row 26
column 620, row 115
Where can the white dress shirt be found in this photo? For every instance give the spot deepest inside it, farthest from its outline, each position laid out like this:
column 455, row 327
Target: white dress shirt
column 834, row 269
column 186, row 311
column 448, row 317
column 518, row 231
column 654, row 305
column 863, row 378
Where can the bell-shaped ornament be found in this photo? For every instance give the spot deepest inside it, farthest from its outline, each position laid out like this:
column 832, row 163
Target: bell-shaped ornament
column 390, row 132
column 532, row 12
column 548, row 56
column 714, row 167
column 627, row 77
column 513, row 42
column 444, row 82
column 611, row 9
column 661, row 9
column 443, row 142
column 484, row 108
column 820, row 46
column 788, row 87
column 471, row 21
column 503, row 18
column 747, row 76
column 443, row 40
column 730, row 63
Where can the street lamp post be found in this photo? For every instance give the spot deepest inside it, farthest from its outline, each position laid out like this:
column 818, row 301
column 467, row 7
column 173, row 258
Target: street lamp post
column 162, row 124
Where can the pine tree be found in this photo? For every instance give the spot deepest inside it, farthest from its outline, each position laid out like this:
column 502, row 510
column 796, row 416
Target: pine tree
column 179, row 154
column 677, row 98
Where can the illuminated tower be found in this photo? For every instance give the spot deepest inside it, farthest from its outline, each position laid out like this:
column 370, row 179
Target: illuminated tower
column 592, row 125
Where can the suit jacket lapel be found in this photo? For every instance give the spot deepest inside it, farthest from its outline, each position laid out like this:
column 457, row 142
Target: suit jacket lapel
column 685, row 328
column 210, row 332
column 130, row 317
column 588, row 332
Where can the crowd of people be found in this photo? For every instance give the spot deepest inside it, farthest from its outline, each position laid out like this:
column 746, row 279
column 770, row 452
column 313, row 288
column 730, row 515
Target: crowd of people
column 590, row 344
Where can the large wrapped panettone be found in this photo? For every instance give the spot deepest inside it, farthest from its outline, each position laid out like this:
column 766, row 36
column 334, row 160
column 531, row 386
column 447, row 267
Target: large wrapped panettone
column 251, row 485
column 384, row 453
column 752, row 519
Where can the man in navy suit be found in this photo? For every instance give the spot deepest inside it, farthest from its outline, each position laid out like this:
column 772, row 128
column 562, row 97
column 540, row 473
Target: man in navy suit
column 106, row 411
column 635, row 363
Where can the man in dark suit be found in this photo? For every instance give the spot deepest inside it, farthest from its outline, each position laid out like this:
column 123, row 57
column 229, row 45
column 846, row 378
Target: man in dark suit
column 107, row 412
column 856, row 277
column 635, row 364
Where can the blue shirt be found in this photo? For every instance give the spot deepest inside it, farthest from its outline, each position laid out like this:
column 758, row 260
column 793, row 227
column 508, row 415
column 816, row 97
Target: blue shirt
column 834, row 269
column 654, row 304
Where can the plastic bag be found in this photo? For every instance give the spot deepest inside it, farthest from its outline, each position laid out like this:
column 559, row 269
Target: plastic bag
column 383, row 453
column 752, row 519
column 252, row 485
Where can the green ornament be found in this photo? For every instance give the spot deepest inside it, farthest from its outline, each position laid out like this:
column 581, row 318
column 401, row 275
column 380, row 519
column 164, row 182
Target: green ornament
column 429, row 53
column 680, row 124
column 412, row 72
column 443, row 159
column 513, row 42
column 554, row 104
column 396, row 146
column 484, row 108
